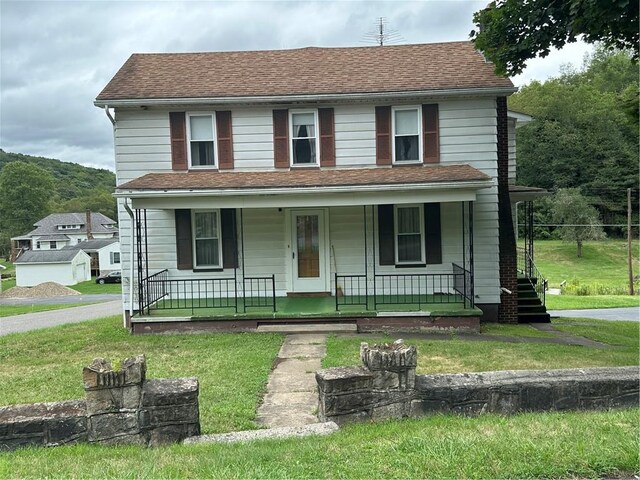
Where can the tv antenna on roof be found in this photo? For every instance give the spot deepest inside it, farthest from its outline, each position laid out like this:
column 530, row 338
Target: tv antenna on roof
column 383, row 35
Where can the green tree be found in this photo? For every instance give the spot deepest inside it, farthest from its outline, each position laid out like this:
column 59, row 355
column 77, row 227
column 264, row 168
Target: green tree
column 578, row 219
column 585, row 132
column 25, row 191
column 514, row 31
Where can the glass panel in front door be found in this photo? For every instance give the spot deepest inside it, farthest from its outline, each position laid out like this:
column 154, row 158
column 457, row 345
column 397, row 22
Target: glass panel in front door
column 308, row 246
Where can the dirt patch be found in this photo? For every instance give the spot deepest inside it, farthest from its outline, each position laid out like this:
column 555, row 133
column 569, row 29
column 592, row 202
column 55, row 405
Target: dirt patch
column 44, row 290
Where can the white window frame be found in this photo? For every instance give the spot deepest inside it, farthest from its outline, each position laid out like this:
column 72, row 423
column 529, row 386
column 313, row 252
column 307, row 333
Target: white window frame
column 219, row 238
column 420, row 208
column 316, row 137
column 393, row 134
column 214, row 140
column 113, row 258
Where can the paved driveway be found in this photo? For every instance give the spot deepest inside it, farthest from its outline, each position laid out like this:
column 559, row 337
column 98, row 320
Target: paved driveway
column 628, row 313
column 35, row 321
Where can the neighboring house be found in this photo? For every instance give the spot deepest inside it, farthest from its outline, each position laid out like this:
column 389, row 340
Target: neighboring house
column 104, row 253
column 59, row 230
column 376, row 176
column 66, row 267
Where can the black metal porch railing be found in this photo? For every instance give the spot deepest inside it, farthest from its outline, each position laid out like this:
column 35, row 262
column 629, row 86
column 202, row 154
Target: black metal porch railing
column 162, row 293
column 261, row 292
column 463, row 284
column 152, row 290
column 527, row 267
column 351, row 290
column 423, row 288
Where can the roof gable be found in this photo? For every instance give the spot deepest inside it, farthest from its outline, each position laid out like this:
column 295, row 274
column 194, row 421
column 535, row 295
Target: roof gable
column 308, row 71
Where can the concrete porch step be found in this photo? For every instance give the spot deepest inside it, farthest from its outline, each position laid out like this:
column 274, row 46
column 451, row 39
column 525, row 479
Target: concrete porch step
column 307, row 327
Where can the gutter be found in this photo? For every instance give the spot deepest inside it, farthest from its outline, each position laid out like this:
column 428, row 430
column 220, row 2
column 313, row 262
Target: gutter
column 142, row 193
column 323, row 97
column 131, row 245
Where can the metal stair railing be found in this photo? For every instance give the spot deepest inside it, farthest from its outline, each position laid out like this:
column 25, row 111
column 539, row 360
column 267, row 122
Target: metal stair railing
column 527, row 267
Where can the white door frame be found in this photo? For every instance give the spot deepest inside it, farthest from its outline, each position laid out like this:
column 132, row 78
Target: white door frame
column 323, row 242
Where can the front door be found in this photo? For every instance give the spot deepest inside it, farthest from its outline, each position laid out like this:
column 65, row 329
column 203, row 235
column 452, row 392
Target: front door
column 309, row 254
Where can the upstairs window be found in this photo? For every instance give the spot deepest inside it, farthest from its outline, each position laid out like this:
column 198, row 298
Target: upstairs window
column 206, row 239
column 407, row 144
column 201, row 135
column 409, row 233
column 304, row 137
column 52, row 245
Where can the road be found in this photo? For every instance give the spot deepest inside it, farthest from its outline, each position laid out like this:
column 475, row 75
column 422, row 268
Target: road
column 628, row 313
column 87, row 298
column 35, row 321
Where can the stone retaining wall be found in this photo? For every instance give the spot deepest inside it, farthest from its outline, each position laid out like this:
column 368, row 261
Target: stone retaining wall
column 120, row 407
column 387, row 386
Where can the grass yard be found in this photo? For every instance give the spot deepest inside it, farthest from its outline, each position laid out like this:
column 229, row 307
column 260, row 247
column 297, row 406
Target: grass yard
column 8, row 310
column 577, row 302
column 91, row 287
column 456, row 355
column 598, row 279
column 46, row 365
column 547, row 445
column 603, row 262
column 233, row 368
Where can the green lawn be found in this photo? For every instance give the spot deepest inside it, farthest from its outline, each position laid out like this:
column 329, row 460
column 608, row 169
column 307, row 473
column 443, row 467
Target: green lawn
column 603, row 262
column 91, row 287
column 577, row 302
column 8, row 310
column 455, row 355
column 505, row 329
column 46, row 365
column 541, row 445
column 233, row 368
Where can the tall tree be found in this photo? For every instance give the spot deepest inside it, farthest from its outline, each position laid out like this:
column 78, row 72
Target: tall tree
column 514, row 31
column 584, row 134
column 25, row 191
column 579, row 220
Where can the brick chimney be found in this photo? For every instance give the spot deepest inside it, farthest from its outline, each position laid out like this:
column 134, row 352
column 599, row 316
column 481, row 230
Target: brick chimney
column 88, row 225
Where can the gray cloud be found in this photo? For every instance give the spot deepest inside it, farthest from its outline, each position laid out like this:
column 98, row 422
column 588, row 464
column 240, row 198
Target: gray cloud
column 56, row 56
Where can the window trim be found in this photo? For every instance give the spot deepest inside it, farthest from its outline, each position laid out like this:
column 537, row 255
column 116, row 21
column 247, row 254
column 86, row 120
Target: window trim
column 316, row 137
column 418, row 109
column 216, row 155
column 113, row 258
column 422, row 260
column 194, row 238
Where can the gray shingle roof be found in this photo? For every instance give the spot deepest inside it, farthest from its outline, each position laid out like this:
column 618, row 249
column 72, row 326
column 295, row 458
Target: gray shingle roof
column 48, row 225
column 92, row 245
column 45, row 238
column 47, row 256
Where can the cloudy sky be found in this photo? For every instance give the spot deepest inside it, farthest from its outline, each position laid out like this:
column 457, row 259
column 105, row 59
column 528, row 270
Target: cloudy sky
column 56, row 56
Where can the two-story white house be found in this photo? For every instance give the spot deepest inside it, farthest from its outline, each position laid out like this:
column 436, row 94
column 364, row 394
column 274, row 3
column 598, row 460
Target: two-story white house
column 365, row 186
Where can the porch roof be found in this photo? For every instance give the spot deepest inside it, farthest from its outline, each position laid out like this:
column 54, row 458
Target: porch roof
column 299, row 186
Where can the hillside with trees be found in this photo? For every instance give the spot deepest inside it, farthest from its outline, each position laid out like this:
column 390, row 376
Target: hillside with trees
column 33, row 187
column 584, row 134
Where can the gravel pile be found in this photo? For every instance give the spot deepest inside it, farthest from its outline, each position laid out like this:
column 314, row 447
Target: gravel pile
column 44, row 290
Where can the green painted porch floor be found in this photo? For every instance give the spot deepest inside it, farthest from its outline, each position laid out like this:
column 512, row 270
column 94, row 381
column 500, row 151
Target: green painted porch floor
column 310, row 307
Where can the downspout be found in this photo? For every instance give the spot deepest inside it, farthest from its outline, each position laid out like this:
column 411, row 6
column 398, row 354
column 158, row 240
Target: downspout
column 111, row 119
column 131, row 244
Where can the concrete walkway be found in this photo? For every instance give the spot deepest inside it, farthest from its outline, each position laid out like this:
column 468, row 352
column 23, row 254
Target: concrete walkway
column 627, row 313
column 292, row 397
column 34, row 321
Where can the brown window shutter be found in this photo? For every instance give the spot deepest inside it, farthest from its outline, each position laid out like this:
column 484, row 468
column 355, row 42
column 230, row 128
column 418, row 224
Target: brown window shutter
column 386, row 242
column 178, row 131
column 432, row 233
column 327, row 137
column 431, row 135
column 383, row 135
column 225, row 140
column 281, row 138
column 229, row 238
column 184, row 245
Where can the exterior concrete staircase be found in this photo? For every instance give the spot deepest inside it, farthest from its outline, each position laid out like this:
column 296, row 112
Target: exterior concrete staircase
column 531, row 308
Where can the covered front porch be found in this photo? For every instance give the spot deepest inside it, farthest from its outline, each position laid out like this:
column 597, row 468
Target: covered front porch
column 373, row 259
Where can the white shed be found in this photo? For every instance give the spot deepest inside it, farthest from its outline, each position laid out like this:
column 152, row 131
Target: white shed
column 66, row 267
column 104, row 253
